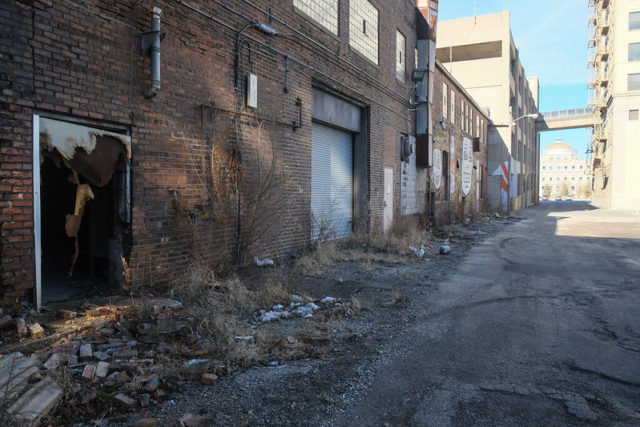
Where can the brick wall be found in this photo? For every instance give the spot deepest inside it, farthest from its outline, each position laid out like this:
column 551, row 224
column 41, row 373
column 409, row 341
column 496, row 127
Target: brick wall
column 81, row 60
column 458, row 206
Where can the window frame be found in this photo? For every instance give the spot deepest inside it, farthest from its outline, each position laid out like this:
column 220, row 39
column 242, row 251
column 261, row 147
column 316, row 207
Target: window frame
column 445, row 101
column 401, row 57
column 452, row 103
column 633, row 85
column 301, row 9
column 636, row 54
column 355, row 43
column 634, row 25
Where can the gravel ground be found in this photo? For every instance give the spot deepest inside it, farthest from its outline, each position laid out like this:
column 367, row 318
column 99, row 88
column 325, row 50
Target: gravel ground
column 315, row 392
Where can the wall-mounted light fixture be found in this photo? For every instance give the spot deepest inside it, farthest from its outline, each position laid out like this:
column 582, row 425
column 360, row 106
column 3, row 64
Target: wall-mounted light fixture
column 417, row 75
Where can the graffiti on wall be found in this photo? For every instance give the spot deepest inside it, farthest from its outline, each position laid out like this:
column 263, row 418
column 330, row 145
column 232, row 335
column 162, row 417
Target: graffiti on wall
column 467, row 165
column 437, row 168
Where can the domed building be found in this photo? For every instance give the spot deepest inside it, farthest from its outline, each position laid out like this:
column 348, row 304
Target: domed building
column 563, row 172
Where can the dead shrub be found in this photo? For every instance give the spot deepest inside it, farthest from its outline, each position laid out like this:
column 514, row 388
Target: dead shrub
column 221, row 309
column 317, row 261
column 405, row 232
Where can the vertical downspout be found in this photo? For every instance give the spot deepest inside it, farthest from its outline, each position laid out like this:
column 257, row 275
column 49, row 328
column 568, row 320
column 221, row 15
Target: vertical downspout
column 153, row 90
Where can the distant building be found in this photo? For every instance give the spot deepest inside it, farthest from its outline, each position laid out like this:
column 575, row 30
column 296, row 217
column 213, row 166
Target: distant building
column 481, row 54
column 563, row 172
column 458, row 179
column 615, row 97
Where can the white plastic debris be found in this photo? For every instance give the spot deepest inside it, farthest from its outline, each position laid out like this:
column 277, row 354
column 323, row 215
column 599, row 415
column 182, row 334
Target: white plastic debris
column 270, row 316
column 243, row 338
column 262, row 263
column 445, row 249
column 273, row 363
column 326, row 300
column 419, row 252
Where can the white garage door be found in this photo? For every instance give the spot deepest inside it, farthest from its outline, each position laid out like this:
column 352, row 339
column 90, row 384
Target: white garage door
column 331, row 182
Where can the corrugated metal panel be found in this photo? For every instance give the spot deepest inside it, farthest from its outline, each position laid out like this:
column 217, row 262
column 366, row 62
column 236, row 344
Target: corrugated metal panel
column 331, row 182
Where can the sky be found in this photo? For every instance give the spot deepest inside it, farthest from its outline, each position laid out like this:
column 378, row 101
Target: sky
column 552, row 38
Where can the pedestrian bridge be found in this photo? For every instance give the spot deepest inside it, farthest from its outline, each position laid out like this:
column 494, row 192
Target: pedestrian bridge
column 565, row 119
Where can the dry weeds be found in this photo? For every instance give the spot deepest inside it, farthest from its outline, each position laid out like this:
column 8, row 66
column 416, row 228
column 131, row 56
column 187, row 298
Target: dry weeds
column 367, row 249
column 221, row 308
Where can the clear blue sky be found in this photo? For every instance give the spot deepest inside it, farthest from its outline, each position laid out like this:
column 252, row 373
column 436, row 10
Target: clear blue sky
column 552, row 39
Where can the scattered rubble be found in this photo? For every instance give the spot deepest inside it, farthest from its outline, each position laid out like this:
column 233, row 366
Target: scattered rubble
column 27, row 394
column 294, row 309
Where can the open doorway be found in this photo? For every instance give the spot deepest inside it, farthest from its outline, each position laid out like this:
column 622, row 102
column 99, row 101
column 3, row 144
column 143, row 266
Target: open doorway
column 82, row 210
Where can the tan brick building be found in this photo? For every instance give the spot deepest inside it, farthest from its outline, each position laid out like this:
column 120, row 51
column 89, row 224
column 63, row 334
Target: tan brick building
column 563, row 172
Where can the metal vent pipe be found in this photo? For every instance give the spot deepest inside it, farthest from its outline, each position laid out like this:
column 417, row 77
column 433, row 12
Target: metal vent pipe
column 155, row 54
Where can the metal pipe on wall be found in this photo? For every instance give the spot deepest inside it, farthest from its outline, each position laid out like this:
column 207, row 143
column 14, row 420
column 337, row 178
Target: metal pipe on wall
column 155, row 55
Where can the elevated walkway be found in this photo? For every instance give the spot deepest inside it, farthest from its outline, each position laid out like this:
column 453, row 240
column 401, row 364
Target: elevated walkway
column 565, row 119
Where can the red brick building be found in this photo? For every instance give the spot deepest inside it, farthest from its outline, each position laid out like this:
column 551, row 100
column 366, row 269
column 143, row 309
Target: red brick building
column 459, row 173
column 210, row 160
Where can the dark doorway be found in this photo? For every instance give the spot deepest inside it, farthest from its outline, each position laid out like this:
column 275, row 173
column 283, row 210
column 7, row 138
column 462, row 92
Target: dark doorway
column 445, row 176
column 91, row 270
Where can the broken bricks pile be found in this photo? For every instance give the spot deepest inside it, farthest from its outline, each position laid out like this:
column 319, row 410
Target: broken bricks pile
column 116, row 363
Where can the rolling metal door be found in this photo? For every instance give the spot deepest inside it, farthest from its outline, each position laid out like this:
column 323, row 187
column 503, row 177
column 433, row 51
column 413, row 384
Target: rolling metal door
column 331, row 182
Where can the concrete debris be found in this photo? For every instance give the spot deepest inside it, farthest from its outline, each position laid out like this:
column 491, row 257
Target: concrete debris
column 190, row 420
column 102, row 369
column 86, row 351
column 58, row 359
column 111, row 354
column 36, row 331
column 99, row 324
column 17, row 374
column 125, row 400
column 37, row 402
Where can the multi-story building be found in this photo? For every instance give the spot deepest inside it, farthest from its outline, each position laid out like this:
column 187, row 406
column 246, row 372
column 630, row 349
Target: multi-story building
column 481, row 54
column 458, row 179
column 563, row 172
column 614, row 64
column 246, row 128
